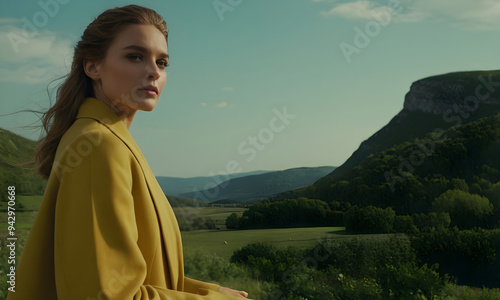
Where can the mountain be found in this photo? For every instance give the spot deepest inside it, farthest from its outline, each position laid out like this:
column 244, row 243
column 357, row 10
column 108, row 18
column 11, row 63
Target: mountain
column 15, row 153
column 253, row 187
column 446, row 132
column 433, row 103
column 177, row 186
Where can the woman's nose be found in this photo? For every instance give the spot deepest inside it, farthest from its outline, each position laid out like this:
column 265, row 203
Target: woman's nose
column 153, row 71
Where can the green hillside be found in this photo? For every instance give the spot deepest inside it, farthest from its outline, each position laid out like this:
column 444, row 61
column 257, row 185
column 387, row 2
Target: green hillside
column 422, row 153
column 449, row 91
column 409, row 176
column 15, row 151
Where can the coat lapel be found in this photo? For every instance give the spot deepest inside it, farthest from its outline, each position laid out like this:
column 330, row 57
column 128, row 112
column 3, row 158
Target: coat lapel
column 172, row 243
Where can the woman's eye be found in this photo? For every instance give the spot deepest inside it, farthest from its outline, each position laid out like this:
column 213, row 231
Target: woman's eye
column 162, row 64
column 134, row 57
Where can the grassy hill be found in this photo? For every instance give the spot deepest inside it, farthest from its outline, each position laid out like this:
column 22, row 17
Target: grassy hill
column 14, row 152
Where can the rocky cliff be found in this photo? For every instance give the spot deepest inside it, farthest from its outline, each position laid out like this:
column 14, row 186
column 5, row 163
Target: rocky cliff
column 437, row 102
column 439, row 94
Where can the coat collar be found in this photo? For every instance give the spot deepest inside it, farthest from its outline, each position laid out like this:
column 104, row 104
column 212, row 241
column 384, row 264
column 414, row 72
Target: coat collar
column 96, row 109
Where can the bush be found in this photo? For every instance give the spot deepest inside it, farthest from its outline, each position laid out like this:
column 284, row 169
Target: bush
column 466, row 210
column 477, row 246
column 409, row 280
column 404, row 224
column 369, row 219
column 233, row 221
column 211, row 268
column 453, row 292
column 351, row 269
column 434, row 220
column 271, row 263
column 290, row 213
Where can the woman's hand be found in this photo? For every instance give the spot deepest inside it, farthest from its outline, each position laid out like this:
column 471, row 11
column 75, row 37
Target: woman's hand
column 228, row 291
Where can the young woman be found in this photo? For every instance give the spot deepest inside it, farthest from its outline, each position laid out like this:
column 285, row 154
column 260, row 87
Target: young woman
column 105, row 229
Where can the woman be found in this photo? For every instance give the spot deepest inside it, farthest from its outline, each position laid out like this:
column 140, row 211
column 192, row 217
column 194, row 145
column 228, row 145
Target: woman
column 104, row 229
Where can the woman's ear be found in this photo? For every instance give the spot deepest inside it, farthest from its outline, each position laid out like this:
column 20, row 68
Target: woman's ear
column 92, row 69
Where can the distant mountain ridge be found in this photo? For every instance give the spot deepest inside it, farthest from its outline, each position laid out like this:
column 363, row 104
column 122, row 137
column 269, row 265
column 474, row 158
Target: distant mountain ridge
column 254, row 187
column 178, row 186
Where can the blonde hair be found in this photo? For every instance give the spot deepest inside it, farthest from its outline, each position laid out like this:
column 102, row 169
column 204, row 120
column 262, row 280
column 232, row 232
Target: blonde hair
column 93, row 46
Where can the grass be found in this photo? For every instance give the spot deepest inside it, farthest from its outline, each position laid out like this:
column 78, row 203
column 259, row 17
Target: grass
column 24, row 220
column 29, row 202
column 223, row 243
column 25, row 217
column 216, row 213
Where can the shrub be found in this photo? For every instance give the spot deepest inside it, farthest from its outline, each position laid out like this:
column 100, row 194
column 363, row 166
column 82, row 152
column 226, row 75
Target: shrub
column 233, row 221
column 369, row 219
column 211, row 268
column 466, row 210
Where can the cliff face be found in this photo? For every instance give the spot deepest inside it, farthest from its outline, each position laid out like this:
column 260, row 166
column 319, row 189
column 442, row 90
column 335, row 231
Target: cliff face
column 439, row 94
column 433, row 96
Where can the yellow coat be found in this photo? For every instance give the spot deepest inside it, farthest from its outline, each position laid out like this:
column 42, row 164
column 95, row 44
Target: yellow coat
column 104, row 230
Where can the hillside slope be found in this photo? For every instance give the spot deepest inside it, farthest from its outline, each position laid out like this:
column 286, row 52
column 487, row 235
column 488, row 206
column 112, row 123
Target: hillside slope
column 14, row 152
column 446, row 136
column 432, row 104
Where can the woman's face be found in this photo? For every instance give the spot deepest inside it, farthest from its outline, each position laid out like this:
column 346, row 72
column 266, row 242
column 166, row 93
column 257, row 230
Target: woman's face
column 132, row 75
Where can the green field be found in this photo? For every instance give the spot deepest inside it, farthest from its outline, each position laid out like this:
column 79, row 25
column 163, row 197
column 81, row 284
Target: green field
column 28, row 202
column 224, row 242
column 215, row 212
column 24, row 218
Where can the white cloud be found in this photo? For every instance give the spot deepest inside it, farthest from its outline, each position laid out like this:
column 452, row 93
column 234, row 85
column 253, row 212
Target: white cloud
column 466, row 14
column 203, row 104
column 370, row 10
column 228, row 88
column 35, row 58
column 9, row 20
column 352, row 10
column 29, row 75
column 471, row 15
column 221, row 104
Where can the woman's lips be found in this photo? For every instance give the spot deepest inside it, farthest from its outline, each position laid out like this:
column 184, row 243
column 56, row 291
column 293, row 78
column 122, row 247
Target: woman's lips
column 150, row 90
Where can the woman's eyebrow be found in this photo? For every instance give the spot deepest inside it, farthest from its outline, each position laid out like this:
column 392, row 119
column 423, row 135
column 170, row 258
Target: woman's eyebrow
column 144, row 50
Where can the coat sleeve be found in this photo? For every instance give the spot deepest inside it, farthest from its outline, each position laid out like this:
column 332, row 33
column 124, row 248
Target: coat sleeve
column 194, row 286
column 95, row 247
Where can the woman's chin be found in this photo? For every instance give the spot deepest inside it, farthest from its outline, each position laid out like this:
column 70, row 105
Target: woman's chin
column 149, row 104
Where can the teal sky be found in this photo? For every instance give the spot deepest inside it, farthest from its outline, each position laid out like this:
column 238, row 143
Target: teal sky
column 237, row 65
